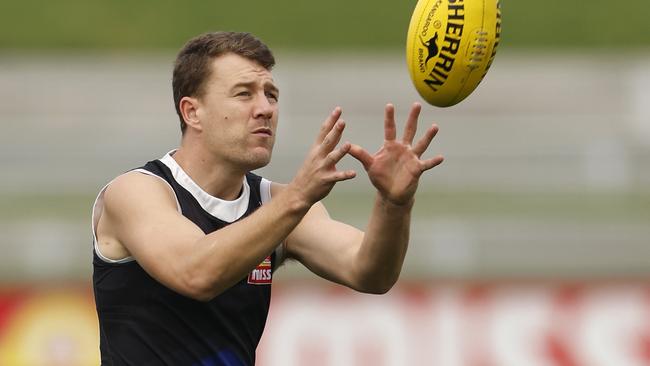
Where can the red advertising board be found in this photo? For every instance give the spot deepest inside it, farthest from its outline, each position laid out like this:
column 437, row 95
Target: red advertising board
column 496, row 324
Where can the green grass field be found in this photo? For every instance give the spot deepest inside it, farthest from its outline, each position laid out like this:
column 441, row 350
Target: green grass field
column 304, row 25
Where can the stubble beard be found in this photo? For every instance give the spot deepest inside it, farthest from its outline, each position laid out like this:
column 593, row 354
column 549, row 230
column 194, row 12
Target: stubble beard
column 254, row 159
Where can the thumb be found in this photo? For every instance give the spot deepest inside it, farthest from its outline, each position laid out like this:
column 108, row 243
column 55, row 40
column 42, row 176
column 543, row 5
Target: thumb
column 362, row 155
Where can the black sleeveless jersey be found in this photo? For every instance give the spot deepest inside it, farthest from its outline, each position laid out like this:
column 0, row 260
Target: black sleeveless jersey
column 142, row 322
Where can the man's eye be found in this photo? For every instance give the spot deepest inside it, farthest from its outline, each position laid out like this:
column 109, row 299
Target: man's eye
column 243, row 94
column 273, row 96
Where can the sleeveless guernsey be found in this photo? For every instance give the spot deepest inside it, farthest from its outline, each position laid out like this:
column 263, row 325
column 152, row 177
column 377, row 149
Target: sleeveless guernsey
column 143, row 322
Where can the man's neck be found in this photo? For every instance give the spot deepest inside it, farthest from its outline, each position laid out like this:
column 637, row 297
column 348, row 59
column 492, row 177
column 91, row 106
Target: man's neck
column 214, row 177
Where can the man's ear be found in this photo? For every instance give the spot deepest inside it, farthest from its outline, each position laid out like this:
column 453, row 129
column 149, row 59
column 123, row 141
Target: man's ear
column 189, row 109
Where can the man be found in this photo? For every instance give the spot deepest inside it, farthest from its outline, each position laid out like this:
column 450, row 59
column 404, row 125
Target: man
column 185, row 246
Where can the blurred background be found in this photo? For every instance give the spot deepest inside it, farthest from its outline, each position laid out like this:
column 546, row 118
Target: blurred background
column 530, row 244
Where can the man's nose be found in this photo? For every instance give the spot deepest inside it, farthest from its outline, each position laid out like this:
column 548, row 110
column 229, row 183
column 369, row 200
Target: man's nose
column 263, row 107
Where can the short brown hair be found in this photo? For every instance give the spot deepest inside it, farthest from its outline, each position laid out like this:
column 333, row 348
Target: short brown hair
column 192, row 66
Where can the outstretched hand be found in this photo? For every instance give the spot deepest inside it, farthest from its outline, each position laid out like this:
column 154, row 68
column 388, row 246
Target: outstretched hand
column 396, row 168
column 318, row 173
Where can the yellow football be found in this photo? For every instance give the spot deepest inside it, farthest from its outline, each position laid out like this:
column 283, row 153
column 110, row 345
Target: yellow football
column 450, row 47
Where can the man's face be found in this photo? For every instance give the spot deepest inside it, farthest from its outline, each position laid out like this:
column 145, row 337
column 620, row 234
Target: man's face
column 239, row 112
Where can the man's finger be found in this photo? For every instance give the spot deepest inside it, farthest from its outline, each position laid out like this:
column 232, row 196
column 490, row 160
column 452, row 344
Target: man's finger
column 422, row 145
column 326, row 127
column 411, row 124
column 341, row 175
column 337, row 154
column 362, row 155
column 389, row 123
column 433, row 162
column 333, row 137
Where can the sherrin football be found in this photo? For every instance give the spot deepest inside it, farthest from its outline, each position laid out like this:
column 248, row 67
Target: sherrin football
column 450, row 47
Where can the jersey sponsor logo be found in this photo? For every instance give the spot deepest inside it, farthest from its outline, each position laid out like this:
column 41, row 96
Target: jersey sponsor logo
column 262, row 274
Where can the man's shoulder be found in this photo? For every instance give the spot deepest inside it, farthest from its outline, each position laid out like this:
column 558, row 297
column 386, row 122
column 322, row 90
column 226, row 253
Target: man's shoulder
column 133, row 178
column 136, row 188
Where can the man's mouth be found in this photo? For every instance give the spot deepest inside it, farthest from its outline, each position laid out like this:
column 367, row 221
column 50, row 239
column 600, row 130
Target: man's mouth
column 263, row 131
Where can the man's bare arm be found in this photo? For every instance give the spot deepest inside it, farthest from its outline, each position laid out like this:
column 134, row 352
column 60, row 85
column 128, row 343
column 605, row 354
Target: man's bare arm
column 367, row 262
